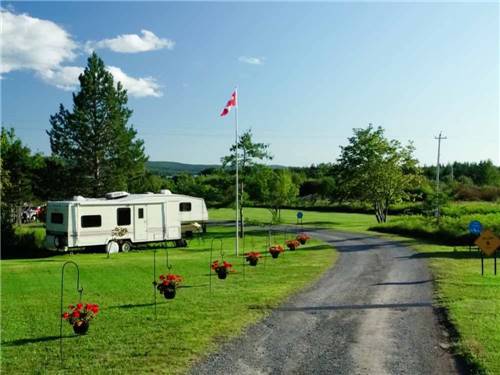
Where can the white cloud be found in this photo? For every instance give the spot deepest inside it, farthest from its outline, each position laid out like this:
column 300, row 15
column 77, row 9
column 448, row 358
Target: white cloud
column 32, row 43
column 251, row 60
column 138, row 87
column 29, row 43
column 133, row 43
column 65, row 77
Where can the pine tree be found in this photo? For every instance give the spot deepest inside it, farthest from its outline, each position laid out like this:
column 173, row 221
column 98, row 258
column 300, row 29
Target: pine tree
column 95, row 140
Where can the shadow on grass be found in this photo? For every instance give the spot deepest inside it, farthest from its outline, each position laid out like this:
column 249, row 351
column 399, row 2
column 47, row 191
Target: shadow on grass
column 132, row 306
column 315, row 248
column 445, row 254
column 36, row 340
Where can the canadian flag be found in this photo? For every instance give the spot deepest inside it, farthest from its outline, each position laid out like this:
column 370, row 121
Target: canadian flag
column 233, row 102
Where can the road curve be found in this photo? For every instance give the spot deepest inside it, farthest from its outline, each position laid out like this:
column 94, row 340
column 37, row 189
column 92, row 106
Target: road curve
column 369, row 314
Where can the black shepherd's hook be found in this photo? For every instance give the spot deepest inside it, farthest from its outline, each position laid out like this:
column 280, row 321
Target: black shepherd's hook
column 154, row 279
column 79, row 289
column 167, row 263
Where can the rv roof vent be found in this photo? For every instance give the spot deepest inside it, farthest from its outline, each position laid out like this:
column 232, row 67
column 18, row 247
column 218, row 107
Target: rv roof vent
column 165, row 191
column 116, row 194
column 78, row 198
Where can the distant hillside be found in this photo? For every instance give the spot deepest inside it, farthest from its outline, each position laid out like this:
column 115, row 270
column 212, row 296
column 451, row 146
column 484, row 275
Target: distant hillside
column 172, row 168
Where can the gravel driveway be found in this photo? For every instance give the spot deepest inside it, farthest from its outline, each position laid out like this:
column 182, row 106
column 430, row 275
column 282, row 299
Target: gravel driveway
column 370, row 314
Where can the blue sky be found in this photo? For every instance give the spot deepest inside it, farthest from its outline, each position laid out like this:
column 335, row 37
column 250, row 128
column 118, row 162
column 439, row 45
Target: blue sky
column 307, row 74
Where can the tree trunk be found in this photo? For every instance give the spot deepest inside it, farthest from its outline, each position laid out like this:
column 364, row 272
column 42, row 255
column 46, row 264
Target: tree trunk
column 97, row 176
column 379, row 212
column 242, row 226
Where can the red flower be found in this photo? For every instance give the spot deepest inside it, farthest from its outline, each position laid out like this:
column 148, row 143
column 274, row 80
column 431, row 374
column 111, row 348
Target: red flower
column 79, row 306
column 65, row 315
column 75, row 314
column 162, row 277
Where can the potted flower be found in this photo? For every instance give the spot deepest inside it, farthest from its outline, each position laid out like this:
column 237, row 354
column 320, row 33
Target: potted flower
column 276, row 250
column 292, row 244
column 168, row 285
column 80, row 316
column 253, row 257
column 222, row 269
column 303, row 238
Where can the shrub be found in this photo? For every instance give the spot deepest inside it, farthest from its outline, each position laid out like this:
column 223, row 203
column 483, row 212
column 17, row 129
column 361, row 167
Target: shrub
column 450, row 230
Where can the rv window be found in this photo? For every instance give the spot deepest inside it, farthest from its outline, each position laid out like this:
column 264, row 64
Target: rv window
column 141, row 213
column 123, row 216
column 91, row 221
column 185, row 206
column 56, row 218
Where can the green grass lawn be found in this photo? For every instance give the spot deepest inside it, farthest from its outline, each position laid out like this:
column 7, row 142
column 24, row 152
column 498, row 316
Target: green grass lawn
column 335, row 220
column 472, row 300
column 126, row 337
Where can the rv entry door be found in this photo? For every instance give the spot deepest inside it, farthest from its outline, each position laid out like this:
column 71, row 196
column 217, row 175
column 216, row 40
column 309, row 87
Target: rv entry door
column 141, row 224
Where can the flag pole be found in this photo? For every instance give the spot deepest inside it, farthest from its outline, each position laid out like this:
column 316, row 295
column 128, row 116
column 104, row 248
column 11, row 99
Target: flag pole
column 237, row 183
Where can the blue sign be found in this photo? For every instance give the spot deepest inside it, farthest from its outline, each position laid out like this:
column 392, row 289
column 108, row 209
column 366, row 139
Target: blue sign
column 300, row 215
column 475, row 227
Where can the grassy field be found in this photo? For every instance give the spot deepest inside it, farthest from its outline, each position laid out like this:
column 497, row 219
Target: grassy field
column 336, row 220
column 472, row 300
column 451, row 230
column 126, row 337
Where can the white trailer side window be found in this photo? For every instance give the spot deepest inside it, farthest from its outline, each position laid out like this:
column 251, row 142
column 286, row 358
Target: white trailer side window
column 185, row 206
column 123, row 216
column 91, row 221
column 56, row 218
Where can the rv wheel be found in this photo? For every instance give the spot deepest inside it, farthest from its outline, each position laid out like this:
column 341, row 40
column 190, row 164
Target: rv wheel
column 181, row 243
column 112, row 247
column 126, row 246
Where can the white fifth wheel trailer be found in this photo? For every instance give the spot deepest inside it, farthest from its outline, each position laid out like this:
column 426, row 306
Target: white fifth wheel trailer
column 120, row 220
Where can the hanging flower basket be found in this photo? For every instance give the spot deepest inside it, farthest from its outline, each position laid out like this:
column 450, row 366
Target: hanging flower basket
column 81, row 327
column 303, row 238
column 292, row 244
column 168, row 285
column 253, row 258
column 276, row 250
column 169, row 291
column 80, row 316
column 222, row 269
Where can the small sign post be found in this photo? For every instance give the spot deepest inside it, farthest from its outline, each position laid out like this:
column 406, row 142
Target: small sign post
column 300, row 215
column 488, row 243
column 475, row 229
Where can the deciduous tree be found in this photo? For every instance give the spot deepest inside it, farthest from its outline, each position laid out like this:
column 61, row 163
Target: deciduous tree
column 374, row 169
column 249, row 154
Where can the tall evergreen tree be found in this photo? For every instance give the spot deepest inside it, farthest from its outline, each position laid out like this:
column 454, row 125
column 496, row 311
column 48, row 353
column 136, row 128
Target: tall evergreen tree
column 95, row 140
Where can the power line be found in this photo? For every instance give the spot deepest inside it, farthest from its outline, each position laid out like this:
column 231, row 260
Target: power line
column 439, row 139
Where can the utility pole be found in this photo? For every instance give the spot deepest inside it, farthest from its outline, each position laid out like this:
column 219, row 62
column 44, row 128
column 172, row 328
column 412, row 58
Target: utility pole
column 439, row 138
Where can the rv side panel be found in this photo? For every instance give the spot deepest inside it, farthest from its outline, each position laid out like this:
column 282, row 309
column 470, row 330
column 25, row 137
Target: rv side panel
column 155, row 222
